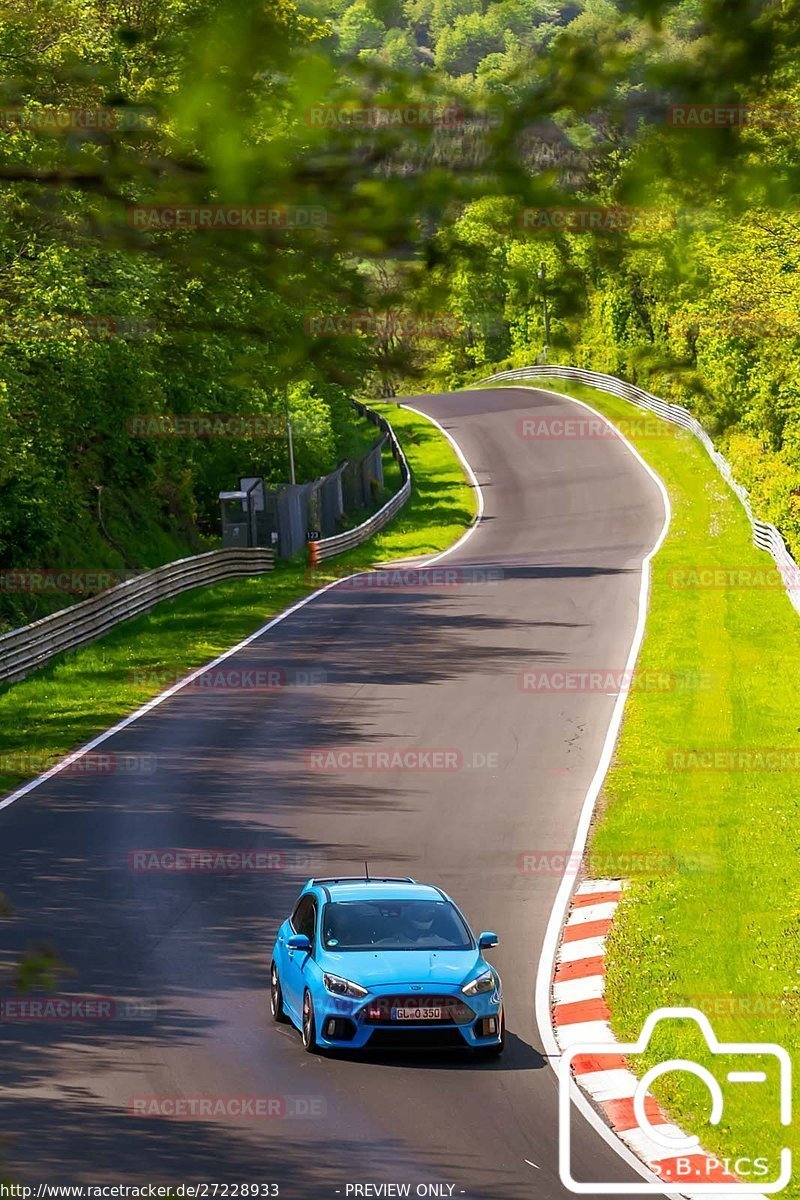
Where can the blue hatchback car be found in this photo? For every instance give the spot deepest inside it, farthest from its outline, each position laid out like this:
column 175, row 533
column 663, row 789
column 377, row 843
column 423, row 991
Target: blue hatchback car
column 385, row 963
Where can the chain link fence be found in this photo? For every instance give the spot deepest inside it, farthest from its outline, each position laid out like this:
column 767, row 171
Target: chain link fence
column 330, row 546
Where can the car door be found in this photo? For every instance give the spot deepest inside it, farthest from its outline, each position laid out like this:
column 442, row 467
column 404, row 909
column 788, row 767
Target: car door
column 302, row 920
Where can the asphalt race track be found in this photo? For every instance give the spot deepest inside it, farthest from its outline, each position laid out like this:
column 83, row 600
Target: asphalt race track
column 567, row 522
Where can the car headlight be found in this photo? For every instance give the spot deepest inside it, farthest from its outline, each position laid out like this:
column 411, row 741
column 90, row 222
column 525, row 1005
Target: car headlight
column 343, row 987
column 486, row 982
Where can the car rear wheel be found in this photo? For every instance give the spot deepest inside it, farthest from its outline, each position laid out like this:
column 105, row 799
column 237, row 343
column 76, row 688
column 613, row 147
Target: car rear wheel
column 309, row 1030
column 276, row 997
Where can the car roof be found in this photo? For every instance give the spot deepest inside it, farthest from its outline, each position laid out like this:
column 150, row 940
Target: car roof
column 376, row 889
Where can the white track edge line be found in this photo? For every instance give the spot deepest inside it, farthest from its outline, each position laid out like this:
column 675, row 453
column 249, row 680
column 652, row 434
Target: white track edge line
column 87, row 747
column 547, row 958
column 549, row 946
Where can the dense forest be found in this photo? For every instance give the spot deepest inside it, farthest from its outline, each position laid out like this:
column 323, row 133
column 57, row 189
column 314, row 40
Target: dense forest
column 420, row 178
column 694, row 134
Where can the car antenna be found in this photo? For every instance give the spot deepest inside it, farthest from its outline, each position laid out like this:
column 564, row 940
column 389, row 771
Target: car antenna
column 366, row 871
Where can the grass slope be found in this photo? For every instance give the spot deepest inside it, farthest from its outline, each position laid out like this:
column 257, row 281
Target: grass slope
column 79, row 694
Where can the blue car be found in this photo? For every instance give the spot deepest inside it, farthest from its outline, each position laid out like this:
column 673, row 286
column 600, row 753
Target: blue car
column 385, row 963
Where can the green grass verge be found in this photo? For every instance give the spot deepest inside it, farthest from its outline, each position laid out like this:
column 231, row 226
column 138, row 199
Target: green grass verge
column 77, row 695
column 712, row 916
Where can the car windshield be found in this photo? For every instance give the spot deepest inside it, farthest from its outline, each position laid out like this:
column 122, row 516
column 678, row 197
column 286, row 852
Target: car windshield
column 394, row 925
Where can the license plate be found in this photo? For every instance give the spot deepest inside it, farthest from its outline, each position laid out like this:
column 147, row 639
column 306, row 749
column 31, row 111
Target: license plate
column 416, row 1014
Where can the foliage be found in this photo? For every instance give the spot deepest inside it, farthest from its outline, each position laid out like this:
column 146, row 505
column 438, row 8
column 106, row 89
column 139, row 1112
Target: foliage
column 50, row 713
column 558, row 106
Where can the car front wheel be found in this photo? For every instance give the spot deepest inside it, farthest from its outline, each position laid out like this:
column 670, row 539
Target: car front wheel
column 309, row 1030
column 276, row 997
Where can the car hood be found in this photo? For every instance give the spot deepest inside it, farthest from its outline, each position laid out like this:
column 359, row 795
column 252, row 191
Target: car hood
column 374, row 968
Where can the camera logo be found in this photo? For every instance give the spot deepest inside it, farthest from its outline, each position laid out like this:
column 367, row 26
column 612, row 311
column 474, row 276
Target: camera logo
column 671, row 1154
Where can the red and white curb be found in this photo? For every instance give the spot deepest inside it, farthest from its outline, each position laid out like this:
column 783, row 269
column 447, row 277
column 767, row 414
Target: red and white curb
column 581, row 1017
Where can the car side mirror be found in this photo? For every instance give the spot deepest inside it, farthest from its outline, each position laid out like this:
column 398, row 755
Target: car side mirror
column 486, row 940
column 298, row 941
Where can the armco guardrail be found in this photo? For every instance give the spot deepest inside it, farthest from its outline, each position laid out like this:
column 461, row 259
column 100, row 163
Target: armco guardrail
column 328, row 547
column 24, row 649
column 765, row 536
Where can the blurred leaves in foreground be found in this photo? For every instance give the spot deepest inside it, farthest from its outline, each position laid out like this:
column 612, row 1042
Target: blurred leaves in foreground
column 263, row 200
